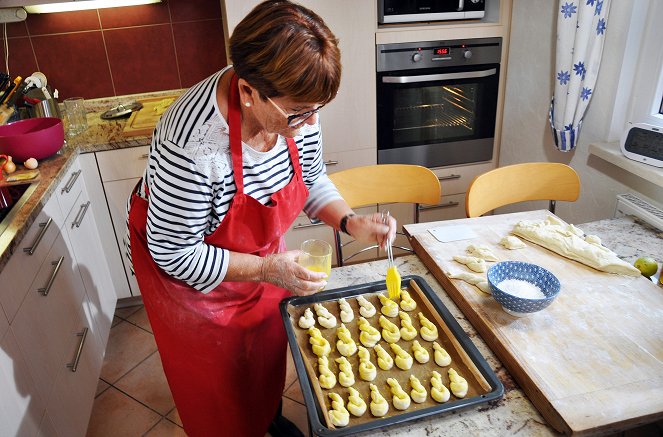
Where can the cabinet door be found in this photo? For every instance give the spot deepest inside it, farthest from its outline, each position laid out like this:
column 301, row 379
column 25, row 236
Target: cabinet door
column 122, row 164
column 450, row 208
column 117, row 195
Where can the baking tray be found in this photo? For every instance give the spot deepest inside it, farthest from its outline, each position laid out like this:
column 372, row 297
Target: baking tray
column 466, row 359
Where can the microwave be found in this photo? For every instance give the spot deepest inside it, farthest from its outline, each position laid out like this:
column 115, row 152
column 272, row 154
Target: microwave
column 399, row 11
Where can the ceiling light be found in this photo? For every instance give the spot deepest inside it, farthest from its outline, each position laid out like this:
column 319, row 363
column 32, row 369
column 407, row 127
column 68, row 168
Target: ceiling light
column 83, row 5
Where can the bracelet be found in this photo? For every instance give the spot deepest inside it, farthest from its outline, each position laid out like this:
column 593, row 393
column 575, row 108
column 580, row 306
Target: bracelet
column 344, row 222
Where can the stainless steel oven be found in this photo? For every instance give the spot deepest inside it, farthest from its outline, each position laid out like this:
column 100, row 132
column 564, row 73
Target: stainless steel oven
column 437, row 101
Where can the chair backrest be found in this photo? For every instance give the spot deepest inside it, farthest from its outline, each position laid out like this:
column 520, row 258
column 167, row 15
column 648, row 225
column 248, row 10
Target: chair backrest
column 519, row 183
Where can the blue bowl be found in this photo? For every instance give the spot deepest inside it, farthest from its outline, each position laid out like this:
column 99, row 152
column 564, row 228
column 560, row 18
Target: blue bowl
column 516, row 305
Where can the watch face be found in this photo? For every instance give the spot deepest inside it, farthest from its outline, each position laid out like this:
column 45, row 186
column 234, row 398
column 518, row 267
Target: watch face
column 645, row 142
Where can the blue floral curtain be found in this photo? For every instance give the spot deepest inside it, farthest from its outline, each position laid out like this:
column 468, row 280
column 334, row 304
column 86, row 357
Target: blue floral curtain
column 581, row 27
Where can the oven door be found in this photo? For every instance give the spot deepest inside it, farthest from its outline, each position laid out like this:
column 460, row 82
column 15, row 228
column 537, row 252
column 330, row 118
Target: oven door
column 437, row 117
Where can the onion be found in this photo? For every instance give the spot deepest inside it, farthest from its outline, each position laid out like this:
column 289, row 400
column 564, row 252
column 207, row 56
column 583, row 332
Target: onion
column 31, row 163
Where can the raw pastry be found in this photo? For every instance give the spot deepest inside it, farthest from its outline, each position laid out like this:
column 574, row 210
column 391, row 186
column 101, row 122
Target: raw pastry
column 385, row 362
column 345, row 345
column 407, row 303
column 420, row 353
column 356, row 405
column 472, row 262
column 403, row 360
column 320, row 344
column 327, row 378
column 367, row 370
column 379, row 405
column 408, row 331
column 472, row 278
column 366, row 308
column 389, row 307
column 347, row 315
column 457, row 384
column 369, row 335
column 400, row 399
column 441, row 356
column 345, row 376
column 512, row 243
column 481, row 251
column 390, row 331
column 307, row 320
column 325, row 318
column 569, row 241
column 428, row 330
column 438, row 390
column 418, row 392
column 338, row 415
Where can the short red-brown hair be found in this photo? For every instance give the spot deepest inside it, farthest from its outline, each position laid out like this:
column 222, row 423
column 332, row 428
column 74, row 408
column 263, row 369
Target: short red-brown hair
column 284, row 49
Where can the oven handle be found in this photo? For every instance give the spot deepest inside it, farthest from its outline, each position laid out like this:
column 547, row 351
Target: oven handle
column 434, row 77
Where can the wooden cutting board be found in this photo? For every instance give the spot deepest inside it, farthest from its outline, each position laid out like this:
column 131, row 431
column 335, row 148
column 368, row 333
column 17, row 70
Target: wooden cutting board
column 143, row 122
column 592, row 362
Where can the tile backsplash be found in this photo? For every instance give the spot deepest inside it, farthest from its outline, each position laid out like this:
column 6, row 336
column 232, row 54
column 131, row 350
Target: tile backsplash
column 119, row 51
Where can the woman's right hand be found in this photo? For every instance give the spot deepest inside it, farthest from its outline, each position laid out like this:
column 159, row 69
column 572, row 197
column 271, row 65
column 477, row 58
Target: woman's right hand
column 282, row 270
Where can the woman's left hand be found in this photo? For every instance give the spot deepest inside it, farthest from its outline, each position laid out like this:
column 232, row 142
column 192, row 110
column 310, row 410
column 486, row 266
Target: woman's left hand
column 371, row 228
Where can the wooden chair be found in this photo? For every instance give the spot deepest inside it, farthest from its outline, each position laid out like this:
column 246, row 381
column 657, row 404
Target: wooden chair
column 519, row 183
column 385, row 183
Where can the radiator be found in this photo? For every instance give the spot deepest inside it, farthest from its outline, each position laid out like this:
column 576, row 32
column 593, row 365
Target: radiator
column 630, row 204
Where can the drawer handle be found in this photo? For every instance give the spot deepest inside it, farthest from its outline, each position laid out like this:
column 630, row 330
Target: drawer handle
column 331, row 162
column 144, row 156
column 81, row 212
column 70, row 183
column 446, row 178
column 57, row 265
column 83, row 335
column 44, row 227
column 307, row 225
column 442, row 205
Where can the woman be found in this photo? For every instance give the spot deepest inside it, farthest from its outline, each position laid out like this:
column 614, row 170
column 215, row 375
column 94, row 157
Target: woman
column 232, row 163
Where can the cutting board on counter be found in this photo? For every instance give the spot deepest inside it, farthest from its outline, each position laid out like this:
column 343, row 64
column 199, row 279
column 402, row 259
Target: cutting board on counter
column 143, row 122
column 590, row 362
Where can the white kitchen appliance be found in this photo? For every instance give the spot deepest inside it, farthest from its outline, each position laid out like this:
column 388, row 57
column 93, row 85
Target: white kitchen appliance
column 643, row 143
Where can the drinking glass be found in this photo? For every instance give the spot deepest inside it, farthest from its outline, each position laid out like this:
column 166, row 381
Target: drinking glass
column 76, row 115
column 316, row 256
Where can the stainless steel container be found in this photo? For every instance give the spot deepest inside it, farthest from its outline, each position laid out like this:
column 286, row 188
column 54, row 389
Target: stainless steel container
column 46, row 108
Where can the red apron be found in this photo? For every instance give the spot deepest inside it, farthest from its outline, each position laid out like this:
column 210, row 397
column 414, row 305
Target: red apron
column 223, row 353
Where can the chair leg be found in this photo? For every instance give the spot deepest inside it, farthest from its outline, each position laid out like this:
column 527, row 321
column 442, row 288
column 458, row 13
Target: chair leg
column 551, row 206
column 339, row 248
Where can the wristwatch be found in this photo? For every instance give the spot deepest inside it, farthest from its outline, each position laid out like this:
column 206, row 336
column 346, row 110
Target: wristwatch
column 344, row 223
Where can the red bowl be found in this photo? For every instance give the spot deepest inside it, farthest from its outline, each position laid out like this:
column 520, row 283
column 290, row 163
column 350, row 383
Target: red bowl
column 36, row 138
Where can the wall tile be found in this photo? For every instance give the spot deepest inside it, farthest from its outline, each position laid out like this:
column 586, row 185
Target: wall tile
column 142, row 59
column 189, row 10
column 17, row 29
column 22, row 59
column 200, row 49
column 134, row 15
column 75, row 64
column 41, row 24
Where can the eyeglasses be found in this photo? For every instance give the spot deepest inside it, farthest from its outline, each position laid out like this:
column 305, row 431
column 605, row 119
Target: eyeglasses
column 295, row 120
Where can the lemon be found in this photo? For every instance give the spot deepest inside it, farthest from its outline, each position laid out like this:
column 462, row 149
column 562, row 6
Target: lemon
column 647, row 266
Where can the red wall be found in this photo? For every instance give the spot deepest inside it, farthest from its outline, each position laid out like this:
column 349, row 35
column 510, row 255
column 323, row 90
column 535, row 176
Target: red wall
column 118, row 51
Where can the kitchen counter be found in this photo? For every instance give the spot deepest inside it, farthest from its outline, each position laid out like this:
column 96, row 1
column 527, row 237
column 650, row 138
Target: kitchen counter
column 514, row 413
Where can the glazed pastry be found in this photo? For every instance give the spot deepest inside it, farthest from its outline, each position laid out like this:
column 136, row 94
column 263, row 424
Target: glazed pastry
column 347, row 315
column 320, row 344
column 367, row 370
column 327, row 378
column 441, row 356
column 307, row 320
column 481, row 251
column 457, row 384
column 345, row 376
column 325, row 318
column 385, row 362
column 438, row 391
column 403, row 360
column 345, row 345
column 369, row 335
column 512, row 242
column 472, row 278
column 379, row 405
column 356, row 405
column 389, row 307
column 418, row 392
column 428, row 330
column 366, row 309
column 407, row 303
column 420, row 353
column 400, row 399
column 472, row 262
column 408, row 331
column 390, row 332
column 338, row 415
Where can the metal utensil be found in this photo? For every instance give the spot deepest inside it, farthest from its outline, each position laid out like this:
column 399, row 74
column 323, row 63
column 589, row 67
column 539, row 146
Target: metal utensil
column 393, row 279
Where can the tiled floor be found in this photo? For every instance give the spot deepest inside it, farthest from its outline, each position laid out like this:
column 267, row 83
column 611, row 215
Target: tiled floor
column 133, row 398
